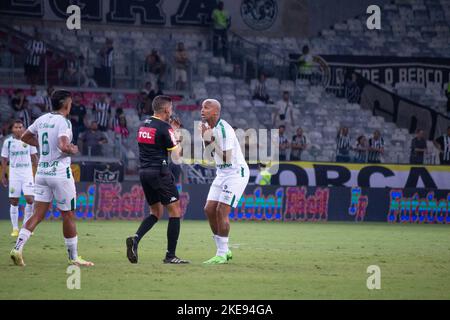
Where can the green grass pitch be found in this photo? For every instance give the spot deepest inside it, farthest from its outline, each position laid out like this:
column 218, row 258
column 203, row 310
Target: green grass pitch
column 271, row 261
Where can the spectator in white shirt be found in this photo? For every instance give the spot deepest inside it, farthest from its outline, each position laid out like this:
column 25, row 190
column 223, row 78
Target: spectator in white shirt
column 284, row 114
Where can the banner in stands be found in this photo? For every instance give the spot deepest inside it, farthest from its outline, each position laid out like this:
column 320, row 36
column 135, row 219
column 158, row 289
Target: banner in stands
column 390, row 71
column 126, row 201
column 102, row 172
column 403, row 112
column 246, row 16
column 313, row 174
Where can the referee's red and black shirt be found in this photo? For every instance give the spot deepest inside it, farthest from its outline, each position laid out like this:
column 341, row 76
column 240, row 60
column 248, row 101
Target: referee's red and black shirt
column 155, row 139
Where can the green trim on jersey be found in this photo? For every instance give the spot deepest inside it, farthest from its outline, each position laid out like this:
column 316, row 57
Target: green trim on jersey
column 68, row 172
column 68, row 123
column 242, row 172
column 223, row 130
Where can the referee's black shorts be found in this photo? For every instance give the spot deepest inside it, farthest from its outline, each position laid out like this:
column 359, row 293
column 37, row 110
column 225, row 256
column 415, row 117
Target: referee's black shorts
column 158, row 185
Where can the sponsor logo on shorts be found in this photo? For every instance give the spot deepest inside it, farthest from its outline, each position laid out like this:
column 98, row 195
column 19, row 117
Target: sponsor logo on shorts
column 46, row 173
column 61, row 202
column 38, row 191
column 11, row 190
column 48, row 164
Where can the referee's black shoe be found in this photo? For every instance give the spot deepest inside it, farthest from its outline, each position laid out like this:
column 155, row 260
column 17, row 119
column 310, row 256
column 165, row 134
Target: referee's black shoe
column 132, row 249
column 174, row 260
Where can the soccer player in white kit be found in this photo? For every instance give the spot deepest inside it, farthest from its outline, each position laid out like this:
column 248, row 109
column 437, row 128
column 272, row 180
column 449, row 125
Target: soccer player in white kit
column 232, row 176
column 52, row 132
column 21, row 157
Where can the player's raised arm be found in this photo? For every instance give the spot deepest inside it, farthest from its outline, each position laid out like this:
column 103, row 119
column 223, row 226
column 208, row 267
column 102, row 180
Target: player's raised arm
column 220, row 144
column 30, row 138
column 34, row 156
column 65, row 137
column 66, row 146
column 173, row 140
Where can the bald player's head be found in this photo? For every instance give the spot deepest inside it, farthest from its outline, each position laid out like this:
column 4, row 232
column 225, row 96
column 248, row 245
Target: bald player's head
column 214, row 104
column 210, row 110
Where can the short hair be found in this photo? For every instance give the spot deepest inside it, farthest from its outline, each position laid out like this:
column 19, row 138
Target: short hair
column 159, row 103
column 58, row 97
column 213, row 101
column 14, row 122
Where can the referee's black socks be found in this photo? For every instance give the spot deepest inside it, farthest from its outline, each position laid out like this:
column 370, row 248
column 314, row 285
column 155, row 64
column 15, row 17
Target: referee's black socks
column 173, row 231
column 145, row 226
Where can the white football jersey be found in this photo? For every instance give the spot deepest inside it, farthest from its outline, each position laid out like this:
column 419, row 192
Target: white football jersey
column 226, row 138
column 19, row 155
column 49, row 128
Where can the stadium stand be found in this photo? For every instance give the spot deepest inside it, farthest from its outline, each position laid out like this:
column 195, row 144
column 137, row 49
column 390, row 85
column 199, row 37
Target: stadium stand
column 410, row 28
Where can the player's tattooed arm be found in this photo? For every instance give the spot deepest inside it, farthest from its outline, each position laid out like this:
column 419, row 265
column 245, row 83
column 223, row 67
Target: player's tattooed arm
column 66, row 146
column 29, row 138
column 34, row 159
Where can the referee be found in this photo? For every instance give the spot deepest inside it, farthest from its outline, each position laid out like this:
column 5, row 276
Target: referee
column 156, row 139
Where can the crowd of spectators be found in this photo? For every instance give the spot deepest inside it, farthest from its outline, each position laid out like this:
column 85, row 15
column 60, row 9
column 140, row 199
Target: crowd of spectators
column 70, row 69
column 89, row 123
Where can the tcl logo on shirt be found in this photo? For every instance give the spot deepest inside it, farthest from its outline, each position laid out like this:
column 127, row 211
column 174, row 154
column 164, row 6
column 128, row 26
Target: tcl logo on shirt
column 146, row 135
